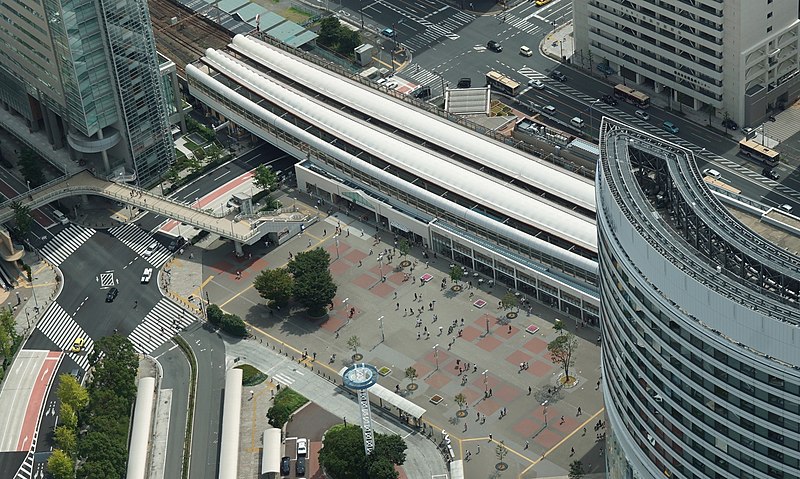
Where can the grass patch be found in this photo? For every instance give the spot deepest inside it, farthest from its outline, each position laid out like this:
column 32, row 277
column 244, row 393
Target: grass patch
column 295, row 15
column 286, row 402
column 251, row 376
column 191, row 145
column 187, row 441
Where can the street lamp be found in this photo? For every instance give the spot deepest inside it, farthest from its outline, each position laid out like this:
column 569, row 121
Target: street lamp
column 487, row 326
column 336, row 241
column 380, row 321
column 544, row 411
column 436, row 355
column 591, row 107
column 486, row 381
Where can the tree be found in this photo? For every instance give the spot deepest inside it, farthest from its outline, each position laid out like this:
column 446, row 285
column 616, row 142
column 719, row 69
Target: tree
column 411, row 374
column 30, row 167
column 8, row 335
column 562, row 351
column 343, row 457
column 265, row 178
column 275, row 285
column 404, row 246
column 71, row 393
column 501, row 451
column 354, row 343
column 390, row 447
column 559, row 326
column 509, row 300
column 576, row 470
column 68, row 416
column 215, row 314
column 234, row 325
column 380, row 468
column 456, row 273
column 116, row 372
column 328, row 31
column 60, row 465
column 66, row 440
column 22, row 216
column 461, row 400
column 313, row 284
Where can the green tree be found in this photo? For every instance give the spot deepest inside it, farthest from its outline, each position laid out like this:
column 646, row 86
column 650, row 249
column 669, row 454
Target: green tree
column 68, row 416
column 349, row 40
column 380, row 468
column 562, row 351
column 391, row 447
column 353, row 343
column 265, row 178
column 30, row 167
column 313, row 284
column 234, row 325
column 411, row 374
column 22, row 216
column 215, row 314
column 66, row 440
column 558, row 325
column 116, row 372
column 461, row 400
column 8, row 335
column 104, row 469
column 456, row 273
column 576, row 470
column 404, row 246
column 509, row 300
column 275, row 285
column 60, row 465
column 285, row 403
column 328, row 31
column 343, row 457
column 71, row 393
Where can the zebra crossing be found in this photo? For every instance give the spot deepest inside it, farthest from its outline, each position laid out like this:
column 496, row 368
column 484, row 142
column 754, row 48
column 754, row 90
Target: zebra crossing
column 26, row 469
column 285, row 377
column 59, row 327
column 160, row 324
column 65, row 243
column 521, row 23
column 434, row 30
column 139, row 240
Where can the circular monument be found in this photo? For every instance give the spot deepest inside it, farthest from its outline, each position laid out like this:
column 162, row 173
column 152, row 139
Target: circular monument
column 360, row 376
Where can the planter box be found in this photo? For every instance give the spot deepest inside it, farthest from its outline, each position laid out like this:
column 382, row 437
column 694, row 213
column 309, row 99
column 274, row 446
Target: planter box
column 436, row 399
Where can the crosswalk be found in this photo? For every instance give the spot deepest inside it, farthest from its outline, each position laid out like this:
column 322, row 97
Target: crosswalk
column 65, row 243
column 161, row 323
column 434, row 30
column 285, row 377
column 61, row 329
column 139, row 240
column 522, row 23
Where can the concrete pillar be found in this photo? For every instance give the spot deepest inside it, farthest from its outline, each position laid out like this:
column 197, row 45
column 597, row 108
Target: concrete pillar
column 237, row 246
column 104, row 155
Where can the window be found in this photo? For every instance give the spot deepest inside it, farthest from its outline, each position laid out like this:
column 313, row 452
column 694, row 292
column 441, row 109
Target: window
column 769, row 15
column 769, row 29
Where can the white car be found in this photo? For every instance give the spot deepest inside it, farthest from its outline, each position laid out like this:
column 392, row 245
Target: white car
column 786, row 208
column 147, row 274
column 302, row 447
column 549, row 110
column 536, row 83
column 525, row 51
column 712, row 173
column 642, row 114
column 150, row 250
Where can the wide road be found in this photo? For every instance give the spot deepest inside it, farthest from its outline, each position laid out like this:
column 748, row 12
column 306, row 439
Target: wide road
column 176, row 370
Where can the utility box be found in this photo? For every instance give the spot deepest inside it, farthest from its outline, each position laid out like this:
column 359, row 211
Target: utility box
column 363, row 54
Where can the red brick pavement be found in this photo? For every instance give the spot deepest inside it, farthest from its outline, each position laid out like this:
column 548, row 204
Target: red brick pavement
column 489, row 343
column 539, row 369
column 517, row 357
column 355, row 256
column 338, row 268
column 527, row 427
column 364, row 281
column 488, row 407
column 470, row 333
column 383, row 290
column 536, row 346
column 438, row 380
column 548, row 438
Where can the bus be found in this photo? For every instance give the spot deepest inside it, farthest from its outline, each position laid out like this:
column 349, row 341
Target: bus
column 759, row 152
column 502, row 83
column 632, row 96
column 720, row 185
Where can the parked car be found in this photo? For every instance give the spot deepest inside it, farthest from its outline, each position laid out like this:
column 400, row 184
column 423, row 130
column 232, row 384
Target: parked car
column 111, row 295
column 609, row 100
column 747, row 130
column 557, row 75
column 300, row 466
column 422, row 92
column 286, row 468
column 729, row 124
column 302, row 447
column 605, row 69
column 536, row 83
column 525, row 51
column 771, row 174
column 388, row 32
column 465, row 83
column 494, row 46
column 712, row 173
column 670, row 127
column 642, row 114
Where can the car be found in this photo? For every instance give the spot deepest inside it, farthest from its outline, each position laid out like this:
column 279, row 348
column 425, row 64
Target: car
column 494, row 46
column 147, row 274
column 712, row 173
column 642, row 114
column 536, row 83
column 670, row 127
column 391, row 85
column 150, row 249
column 465, row 82
column 771, row 174
column 302, row 447
column 605, row 69
column 525, row 51
column 388, row 32
column 747, row 130
column 577, row 122
column 77, row 345
column 541, row 3
column 286, row 468
column 786, row 208
column 557, row 75
column 609, row 100
column 300, row 466
column 111, row 295
column 422, row 92
column 549, row 110
column 729, row 124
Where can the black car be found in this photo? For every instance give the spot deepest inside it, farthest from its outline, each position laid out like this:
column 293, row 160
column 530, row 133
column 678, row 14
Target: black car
column 422, row 92
column 609, row 100
column 557, row 75
column 300, row 466
column 729, row 124
column 465, row 83
column 494, row 46
column 771, row 174
column 286, row 466
column 112, row 293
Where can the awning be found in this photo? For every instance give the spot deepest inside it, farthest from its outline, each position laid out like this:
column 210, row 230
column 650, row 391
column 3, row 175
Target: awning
column 393, row 399
column 399, row 226
column 457, row 469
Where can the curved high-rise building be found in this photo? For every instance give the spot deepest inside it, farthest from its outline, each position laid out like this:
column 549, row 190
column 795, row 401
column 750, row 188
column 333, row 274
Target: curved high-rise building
column 699, row 315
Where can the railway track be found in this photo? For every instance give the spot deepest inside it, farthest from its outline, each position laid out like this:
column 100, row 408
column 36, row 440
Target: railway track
column 187, row 40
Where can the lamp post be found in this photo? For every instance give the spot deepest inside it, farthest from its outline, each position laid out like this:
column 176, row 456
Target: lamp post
column 361, row 12
column 487, row 326
column 33, row 291
column 544, row 411
column 485, row 382
column 336, row 242
column 380, row 321
column 591, row 107
column 436, row 355
column 441, row 77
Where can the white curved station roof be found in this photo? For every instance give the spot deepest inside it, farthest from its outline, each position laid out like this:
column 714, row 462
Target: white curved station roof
column 406, row 155
column 422, row 124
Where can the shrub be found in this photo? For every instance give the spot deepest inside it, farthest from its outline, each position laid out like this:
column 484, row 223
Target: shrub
column 286, row 402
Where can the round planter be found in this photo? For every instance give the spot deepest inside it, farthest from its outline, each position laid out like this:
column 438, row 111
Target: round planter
column 511, row 315
column 357, row 357
column 412, row 387
column 456, row 288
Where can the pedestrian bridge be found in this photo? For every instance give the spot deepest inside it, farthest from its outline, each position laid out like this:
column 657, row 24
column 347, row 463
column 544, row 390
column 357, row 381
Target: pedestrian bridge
column 241, row 230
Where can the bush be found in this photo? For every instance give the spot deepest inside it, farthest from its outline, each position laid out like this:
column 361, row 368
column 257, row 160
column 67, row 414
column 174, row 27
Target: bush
column 286, row 402
column 214, row 314
column 251, row 376
column 233, row 325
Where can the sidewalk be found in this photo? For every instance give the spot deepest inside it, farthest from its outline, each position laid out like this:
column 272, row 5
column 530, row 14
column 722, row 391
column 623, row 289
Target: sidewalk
column 28, row 301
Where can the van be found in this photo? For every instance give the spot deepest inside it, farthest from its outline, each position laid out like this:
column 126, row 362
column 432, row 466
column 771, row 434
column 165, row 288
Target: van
column 59, row 216
column 549, row 110
column 578, row 122
column 712, row 173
